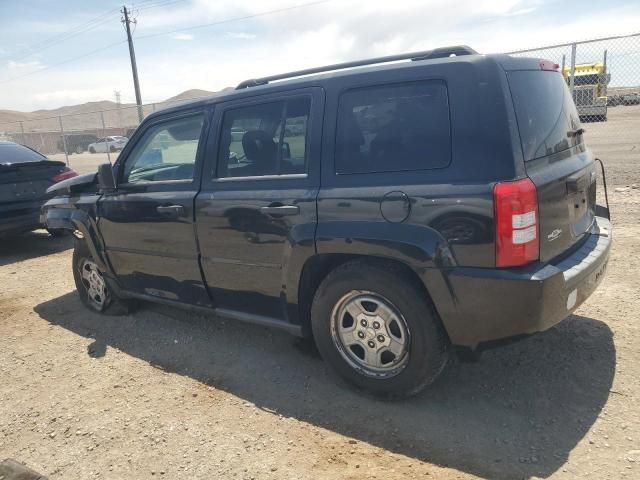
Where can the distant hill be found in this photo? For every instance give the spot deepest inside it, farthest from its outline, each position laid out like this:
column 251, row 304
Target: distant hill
column 76, row 109
column 84, row 116
column 188, row 94
column 13, row 116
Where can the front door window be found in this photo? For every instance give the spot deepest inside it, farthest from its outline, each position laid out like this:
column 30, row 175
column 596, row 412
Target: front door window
column 167, row 151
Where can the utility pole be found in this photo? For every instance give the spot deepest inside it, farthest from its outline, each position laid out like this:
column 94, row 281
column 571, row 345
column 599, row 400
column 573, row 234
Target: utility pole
column 118, row 106
column 134, row 69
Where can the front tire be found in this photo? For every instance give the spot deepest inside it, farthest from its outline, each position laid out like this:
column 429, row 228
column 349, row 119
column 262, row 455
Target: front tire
column 378, row 330
column 92, row 150
column 94, row 291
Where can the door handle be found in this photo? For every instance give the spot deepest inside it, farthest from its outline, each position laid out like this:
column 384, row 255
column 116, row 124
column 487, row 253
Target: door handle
column 281, row 210
column 177, row 210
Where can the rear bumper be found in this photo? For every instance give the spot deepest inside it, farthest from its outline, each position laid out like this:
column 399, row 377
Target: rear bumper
column 20, row 223
column 494, row 304
column 16, row 217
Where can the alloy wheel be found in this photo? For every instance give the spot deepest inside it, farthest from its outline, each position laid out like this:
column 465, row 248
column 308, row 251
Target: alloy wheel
column 92, row 279
column 371, row 334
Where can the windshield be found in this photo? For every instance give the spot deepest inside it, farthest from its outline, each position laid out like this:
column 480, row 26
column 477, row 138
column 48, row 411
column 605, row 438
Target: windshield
column 590, row 79
column 547, row 117
column 11, row 153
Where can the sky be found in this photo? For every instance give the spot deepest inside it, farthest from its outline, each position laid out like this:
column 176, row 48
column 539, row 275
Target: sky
column 55, row 53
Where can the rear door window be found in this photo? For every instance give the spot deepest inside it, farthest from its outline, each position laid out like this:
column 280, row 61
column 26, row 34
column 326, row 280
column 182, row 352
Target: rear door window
column 392, row 128
column 264, row 139
column 546, row 115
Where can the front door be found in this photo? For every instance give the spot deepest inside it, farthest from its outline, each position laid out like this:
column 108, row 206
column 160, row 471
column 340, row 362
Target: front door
column 258, row 200
column 147, row 224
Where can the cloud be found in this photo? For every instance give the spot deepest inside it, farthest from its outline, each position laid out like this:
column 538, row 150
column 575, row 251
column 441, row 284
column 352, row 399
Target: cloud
column 23, row 66
column 182, row 36
column 522, row 11
column 242, row 35
column 319, row 34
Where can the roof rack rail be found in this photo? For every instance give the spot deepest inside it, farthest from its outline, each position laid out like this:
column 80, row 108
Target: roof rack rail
column 441, row 52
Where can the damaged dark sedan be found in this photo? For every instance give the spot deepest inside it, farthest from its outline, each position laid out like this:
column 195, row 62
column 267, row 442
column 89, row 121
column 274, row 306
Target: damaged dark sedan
column 25, row 176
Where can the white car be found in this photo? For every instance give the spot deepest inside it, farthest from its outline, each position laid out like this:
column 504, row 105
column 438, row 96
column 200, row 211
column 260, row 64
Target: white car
column 108, row 144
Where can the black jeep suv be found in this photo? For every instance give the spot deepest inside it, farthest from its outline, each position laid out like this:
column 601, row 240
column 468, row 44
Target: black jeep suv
column 389, row 210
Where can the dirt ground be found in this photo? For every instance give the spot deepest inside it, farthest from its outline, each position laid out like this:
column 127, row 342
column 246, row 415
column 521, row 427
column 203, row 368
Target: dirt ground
column 164, row 393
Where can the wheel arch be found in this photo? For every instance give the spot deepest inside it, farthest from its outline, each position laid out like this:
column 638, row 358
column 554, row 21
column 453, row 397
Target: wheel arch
column 77, row 214
column 319, row 266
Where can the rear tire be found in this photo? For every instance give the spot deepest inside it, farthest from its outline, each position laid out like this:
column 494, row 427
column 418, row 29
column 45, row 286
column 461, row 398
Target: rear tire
column 392, row 316
column 94, row 291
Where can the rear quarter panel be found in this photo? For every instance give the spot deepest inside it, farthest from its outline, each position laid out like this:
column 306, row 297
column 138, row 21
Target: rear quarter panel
column 454, row 204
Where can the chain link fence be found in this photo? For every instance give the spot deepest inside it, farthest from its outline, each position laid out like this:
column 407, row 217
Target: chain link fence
column 82, row 140
column 604, row 78
column 602, row 74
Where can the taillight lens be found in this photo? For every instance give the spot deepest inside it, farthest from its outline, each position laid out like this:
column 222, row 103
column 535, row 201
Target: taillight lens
column 517, row 222
column 64, row 174
column 548, row 65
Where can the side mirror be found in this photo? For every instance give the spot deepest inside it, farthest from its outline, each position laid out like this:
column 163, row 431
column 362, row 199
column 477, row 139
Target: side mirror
column 106, row 180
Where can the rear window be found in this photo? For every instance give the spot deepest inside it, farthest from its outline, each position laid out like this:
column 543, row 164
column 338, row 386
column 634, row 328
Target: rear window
column 547, row 117
column 393, row 128
column 14, row 153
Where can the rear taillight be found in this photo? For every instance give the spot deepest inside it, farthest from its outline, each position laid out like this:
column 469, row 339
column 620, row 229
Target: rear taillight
column 64, row 174
column 516, row 217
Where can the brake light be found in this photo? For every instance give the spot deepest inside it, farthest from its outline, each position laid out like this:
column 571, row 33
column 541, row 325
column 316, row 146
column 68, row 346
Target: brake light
column 548, row 65
column 516, row 217
column 64, row 174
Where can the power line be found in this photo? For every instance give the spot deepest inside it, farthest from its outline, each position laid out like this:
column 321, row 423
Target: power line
column 235, row 19
column 64, row 62
column 159, row 4
column 143, row 3
column 61, row 37
column 220, row 22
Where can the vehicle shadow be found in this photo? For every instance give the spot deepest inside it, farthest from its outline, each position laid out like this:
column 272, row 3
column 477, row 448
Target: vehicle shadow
column 515, row 414
column 31, row 245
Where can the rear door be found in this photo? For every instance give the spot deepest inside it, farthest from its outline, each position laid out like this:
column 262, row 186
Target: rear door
column 147, row 224
column 556, row 158
column 258, row 198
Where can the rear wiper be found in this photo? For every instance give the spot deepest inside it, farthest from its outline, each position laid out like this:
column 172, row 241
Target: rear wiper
column 575, row 133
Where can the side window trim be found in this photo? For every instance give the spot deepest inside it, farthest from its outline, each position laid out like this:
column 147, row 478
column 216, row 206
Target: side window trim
column 139, row 136
column 284, row 97
column 286, row 176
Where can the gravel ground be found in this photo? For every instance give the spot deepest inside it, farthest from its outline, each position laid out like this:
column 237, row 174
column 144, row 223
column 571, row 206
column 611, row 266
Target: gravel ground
column 164, row 393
